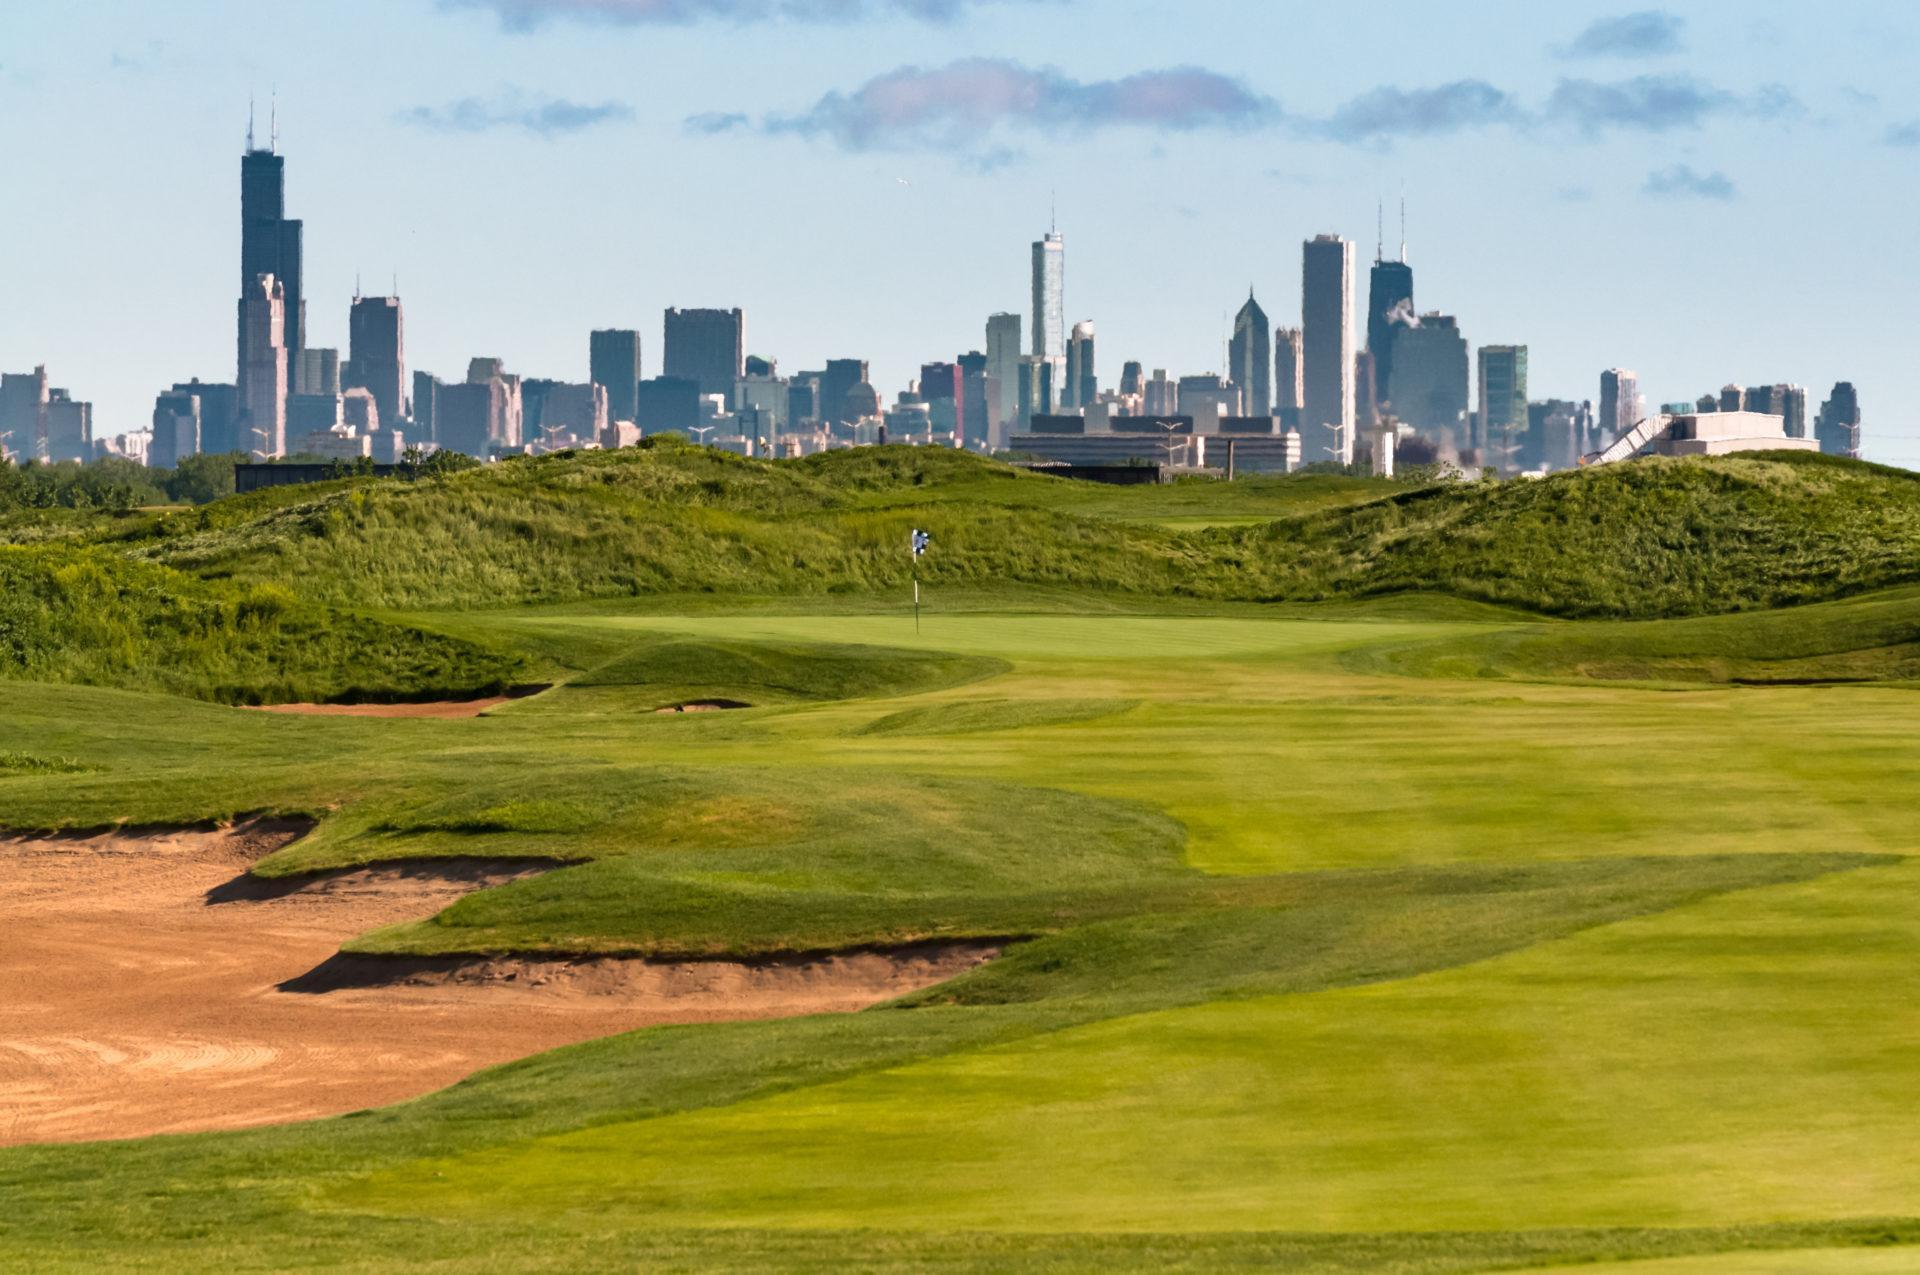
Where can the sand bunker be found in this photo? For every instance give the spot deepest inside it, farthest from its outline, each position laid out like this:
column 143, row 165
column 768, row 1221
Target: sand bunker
column 705, row 706
column 144, row 989
column 442, row 710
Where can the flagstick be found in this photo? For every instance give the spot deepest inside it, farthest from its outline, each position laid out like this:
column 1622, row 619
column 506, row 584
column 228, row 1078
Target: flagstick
column 916, row 602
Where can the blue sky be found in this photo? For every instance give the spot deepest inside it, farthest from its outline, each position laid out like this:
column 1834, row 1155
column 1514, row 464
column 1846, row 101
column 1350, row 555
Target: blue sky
column 1702, row 192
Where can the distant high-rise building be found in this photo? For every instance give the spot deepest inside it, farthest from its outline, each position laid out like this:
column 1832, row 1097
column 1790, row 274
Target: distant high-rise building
column 1327, row 421
column 1733, row 398
column 1048, row 339
column 1838, row 428
column 759, row 365
column 509, row 426
column 263, row 369
column 1036, row 391
column 975, row 385
column 1050, row 299
column 23, row 414
column 270, row 244
column 667, row 403
column 426, row 399
column 1289, row 376
column 841, row 376
column 1132, row 378
column 1389, row 307
column 803, row 401
column 1620, row 404
column 1503, row 403
column 1250, row 357
column 471, row 417
column 614, row 356
column 69, row 427
column 1161, row 395
column 1083, row 378
column 570, row 414
column 1366, row 391
column 377, row 355
column 1556, row 433
column 943, row 389
column 1432, row 379
column 314, row 371
column 1003, row 367
column 1207, row 395
column 176, row 429
column 1792, row 400
column 219, row 414
column 708, row 347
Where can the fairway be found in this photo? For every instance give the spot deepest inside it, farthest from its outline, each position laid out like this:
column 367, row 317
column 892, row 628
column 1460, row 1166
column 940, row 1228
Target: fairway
column 1373, row 934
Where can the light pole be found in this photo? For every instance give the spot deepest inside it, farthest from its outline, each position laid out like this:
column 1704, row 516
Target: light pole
column 703, row 431
column 1171, row 428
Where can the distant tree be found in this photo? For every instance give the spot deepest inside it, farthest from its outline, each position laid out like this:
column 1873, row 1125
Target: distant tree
column 203, row 478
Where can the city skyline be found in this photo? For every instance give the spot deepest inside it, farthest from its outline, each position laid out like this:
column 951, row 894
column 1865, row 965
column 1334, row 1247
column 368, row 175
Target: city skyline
column 1153, row 302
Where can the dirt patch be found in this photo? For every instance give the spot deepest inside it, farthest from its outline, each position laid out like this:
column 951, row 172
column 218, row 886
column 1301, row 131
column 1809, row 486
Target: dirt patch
column 143, row 987
column 705, row 706
column 440, row 710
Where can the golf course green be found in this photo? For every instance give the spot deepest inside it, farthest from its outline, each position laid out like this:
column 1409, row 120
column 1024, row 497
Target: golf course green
column 1488, row 877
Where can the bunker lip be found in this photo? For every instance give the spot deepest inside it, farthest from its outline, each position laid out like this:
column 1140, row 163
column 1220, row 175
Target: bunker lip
column 141, row 986
column 429, row 710
column 834, row 975
column 703, row 706
column 472, row 871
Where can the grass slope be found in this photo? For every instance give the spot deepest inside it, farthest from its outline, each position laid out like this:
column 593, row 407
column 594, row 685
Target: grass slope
column 1874, row 638
column 100, row 619
column 1648, row 539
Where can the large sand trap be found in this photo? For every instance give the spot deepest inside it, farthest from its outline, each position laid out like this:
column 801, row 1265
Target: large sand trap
column 141, row 988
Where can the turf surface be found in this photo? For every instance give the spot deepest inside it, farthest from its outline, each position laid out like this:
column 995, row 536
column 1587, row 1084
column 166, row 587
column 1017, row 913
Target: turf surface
column 1332, row 960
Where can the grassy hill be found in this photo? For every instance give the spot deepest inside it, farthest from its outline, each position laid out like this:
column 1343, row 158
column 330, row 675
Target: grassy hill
column 1652, row 539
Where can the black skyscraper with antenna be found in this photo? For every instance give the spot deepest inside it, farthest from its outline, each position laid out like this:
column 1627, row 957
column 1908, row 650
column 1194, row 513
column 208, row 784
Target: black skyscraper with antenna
column 1389, row 304
column 269, row 243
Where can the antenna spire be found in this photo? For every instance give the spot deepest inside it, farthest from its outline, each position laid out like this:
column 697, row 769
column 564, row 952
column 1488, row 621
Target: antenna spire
column 1053, row 211
column 1403, row 228
column 1380, row 241
column 274, row 123
column 250, row 110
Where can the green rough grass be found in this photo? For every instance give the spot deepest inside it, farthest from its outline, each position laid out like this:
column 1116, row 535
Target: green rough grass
column 1875, row 638
column 94, row 618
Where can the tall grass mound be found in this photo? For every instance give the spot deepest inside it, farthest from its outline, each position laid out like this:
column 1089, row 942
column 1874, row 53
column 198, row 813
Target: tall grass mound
column 1652, row 538
column 1649, row 539
column 100, row 619
column 1875, row 638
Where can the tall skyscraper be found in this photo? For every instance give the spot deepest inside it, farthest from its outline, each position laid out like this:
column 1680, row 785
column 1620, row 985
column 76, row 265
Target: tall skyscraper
column 943, row 389
column 1327, row 423
column 1503, row 403
column 1250, row 357
column 1133, row 378
column 1082, row 385
column 1289, row 375
column 377, row 356
column 614, row 356
column 263, row 369
column 269, row 243
column 1037, row 391
column 974, row 410
column 1620, row 405
column 1389, row 305
column 708, row 347
column 1838, row 427
column 1003, row 367
column 1433, row 379
column 69, row 427
column 1792, row 400
column 23, row 414
column 1050, row 304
